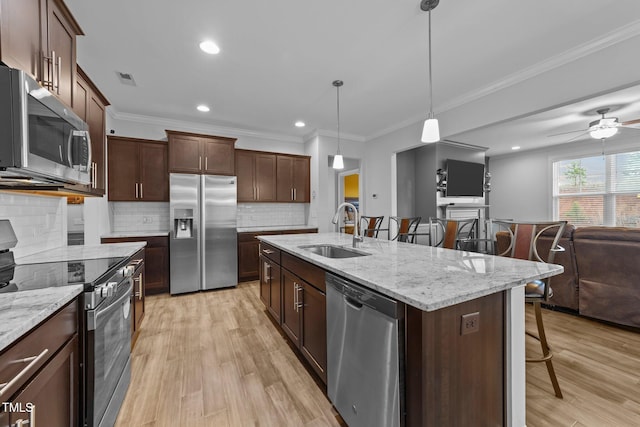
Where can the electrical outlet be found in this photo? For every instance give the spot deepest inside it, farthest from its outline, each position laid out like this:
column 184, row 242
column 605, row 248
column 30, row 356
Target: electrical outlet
column 470, row 323
column 147, row 220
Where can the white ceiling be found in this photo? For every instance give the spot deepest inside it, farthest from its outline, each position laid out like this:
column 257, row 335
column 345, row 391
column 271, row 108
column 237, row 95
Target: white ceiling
column 279, row 57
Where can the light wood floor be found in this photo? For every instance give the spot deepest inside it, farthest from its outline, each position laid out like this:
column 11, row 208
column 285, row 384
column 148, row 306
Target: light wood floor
column 215, row 359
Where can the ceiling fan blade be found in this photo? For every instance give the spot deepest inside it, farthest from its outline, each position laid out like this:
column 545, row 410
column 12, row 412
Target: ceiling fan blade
column 578, row 136
column 567, row 133
column 630, row 122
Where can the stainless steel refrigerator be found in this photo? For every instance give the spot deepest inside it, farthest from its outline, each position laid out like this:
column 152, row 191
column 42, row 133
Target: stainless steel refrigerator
column 203, row 237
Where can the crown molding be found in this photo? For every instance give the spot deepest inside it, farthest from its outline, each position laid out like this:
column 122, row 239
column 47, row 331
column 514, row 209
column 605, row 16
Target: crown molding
column 334, row 134
column 201, row 127
column 588, row 48
column 617, row 36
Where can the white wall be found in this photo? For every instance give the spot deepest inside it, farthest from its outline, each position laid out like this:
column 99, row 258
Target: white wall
column 521, row 183
column 40, row 222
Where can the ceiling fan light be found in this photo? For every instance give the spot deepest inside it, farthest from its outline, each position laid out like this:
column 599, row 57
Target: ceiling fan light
column 338, row 161
column 431, row 131
column 603, row 132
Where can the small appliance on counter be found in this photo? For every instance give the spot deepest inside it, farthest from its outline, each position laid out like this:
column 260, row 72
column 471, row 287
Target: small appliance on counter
column 203, row 234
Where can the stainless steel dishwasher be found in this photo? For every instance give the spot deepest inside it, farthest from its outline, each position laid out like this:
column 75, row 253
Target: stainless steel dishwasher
column 365, row 341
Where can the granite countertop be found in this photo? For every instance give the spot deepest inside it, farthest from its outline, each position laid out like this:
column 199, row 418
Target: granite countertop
column 125, row 234
column 70, row 253
column 22, row 311
column 422, row 276
column 260, row 228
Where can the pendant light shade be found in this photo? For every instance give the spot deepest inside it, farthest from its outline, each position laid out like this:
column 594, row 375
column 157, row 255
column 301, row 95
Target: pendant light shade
column 431, row 129
column 338, row 161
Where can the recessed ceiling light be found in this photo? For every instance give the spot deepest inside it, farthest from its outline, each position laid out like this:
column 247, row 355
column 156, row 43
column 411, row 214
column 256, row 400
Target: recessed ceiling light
column 300, row 124
column 209, row 47
column 515, row 147
column 203, row 108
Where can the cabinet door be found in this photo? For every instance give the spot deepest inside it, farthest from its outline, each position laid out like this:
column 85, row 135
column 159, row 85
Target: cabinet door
column 245, row 176
column 313, row 342
column 123, row 170
column 185, row 154
column 80, row 97
column 62, row 41
column 248, row 260
column 291, row 306
column 284, row 181
column 156, row 269
column 138, row 298
column 53, row 394
column 96, row 121
column 265, row 281
column 275, row 292
column 300, row 177
column 154, row 177
column 219, row 157
column 265, row 177
column 20, row 35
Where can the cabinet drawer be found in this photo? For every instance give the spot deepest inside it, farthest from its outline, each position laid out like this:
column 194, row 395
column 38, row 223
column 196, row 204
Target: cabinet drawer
column 37, row 347
column 270, row 252
column 311, row 274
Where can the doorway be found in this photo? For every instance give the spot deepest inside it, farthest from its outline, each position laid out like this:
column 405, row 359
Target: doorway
column 349, row 191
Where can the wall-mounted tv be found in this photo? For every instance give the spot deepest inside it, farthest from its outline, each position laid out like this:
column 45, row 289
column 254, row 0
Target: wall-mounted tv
column 464, row 179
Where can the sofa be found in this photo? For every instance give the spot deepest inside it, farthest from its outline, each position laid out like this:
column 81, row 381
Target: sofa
column 601, row 276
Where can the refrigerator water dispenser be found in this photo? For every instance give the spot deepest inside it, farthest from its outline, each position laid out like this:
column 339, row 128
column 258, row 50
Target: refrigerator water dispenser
column 183, row 224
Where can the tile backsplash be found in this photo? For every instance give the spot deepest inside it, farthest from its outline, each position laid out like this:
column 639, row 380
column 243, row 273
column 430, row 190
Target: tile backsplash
column 38, row 221
column 271, row 214
column 139, row 216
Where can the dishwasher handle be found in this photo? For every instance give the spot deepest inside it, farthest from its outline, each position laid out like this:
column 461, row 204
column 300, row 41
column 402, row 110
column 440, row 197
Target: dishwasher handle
column 352, row 302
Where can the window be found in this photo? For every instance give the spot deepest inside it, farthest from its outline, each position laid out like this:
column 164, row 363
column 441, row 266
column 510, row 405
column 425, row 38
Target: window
column 600, row 190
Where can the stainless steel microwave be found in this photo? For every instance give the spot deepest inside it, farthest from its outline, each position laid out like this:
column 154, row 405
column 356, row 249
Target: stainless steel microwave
column 40, row 137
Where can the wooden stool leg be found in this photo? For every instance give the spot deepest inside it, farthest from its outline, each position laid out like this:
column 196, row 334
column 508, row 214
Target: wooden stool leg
column 546, row 351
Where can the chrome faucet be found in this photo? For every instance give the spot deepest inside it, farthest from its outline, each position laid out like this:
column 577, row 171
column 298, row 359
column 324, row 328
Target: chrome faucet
column 357, row 238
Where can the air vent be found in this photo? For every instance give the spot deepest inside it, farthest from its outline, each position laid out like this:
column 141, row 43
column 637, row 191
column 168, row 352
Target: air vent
column 126, row 78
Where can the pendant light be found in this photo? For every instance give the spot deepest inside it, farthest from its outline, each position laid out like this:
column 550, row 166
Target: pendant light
column 338, row 161
column 431, row 130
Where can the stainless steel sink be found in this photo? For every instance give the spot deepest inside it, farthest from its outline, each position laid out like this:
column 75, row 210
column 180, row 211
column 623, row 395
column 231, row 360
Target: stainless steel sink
column 333, row 251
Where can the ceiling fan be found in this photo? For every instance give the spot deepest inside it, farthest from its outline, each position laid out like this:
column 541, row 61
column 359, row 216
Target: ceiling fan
column 602, row 128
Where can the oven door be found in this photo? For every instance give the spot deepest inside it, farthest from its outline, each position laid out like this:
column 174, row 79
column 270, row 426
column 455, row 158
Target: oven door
column 108, row 353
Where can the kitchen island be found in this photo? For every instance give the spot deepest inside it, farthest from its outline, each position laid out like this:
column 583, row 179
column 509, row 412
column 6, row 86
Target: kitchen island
column 449, row 372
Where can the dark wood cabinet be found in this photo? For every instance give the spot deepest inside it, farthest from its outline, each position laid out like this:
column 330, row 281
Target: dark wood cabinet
column 137, row 170
column 90, row 104
column 291, row 315
column 45, row 385
column 201, row 154
column 313, row 335
column 39, row 37
column 156, row 260
column 256, row 171
column 248, row 252
column 293, row 178
column 271, row 287
column 138, row 294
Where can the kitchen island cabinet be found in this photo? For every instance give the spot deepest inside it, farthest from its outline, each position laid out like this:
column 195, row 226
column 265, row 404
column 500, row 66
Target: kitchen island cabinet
column 249, row 254
column 455, row 374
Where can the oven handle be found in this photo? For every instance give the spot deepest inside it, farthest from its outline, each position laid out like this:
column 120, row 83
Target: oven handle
column 92, row 315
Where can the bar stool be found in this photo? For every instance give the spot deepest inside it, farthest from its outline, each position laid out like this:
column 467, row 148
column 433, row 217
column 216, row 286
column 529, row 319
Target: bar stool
column 370, row 225
column 405, row 228
column 523, row 239
column 453, row 233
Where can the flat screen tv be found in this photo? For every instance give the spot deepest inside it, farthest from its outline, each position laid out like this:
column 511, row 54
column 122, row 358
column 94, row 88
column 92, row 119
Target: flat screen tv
column 464, row 179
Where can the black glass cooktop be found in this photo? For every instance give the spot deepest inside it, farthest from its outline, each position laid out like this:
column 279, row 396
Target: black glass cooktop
column 25, row 277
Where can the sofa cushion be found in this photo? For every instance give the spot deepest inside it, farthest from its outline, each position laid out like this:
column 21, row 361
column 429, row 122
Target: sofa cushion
column 608, row 262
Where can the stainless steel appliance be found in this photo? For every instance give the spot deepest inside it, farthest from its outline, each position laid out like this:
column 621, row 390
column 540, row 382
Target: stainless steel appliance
column 365, row 337
column 203, row 236
column 39, row 136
